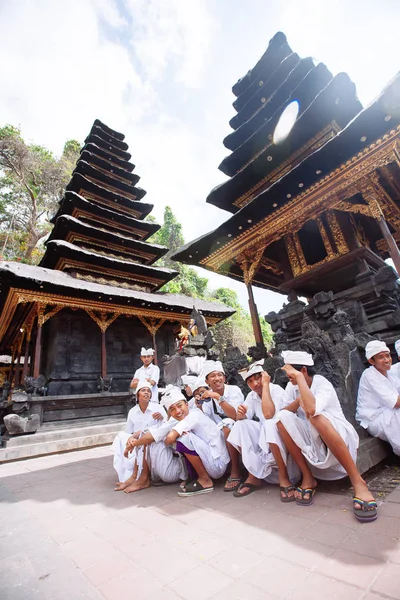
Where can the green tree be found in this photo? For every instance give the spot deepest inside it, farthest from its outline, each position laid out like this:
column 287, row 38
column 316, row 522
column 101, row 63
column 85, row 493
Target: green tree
column 188, row 282
column 32, row 181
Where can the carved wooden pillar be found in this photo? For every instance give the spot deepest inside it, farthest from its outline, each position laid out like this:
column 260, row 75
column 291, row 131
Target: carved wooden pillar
column 18, row 365
column 103, row 323
column 38, row 350
column 152, row 325
column 249, row 261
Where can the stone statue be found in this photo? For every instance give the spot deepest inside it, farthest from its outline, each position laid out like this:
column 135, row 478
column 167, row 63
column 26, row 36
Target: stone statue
column 104, row 384
column 18, row 425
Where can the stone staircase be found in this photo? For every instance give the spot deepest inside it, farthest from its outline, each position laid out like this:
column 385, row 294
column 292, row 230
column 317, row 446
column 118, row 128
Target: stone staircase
column 64, row 438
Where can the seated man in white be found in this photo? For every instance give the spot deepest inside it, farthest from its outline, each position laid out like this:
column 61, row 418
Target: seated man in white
column 225, row 400
column 147, row 372
column 200, row 441
column 142, row 416
column 317, row 435
column 378, row 401
column 246, row 436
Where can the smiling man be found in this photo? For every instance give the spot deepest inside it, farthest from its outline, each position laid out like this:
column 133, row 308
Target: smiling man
column 246, row 437
column 378, row 400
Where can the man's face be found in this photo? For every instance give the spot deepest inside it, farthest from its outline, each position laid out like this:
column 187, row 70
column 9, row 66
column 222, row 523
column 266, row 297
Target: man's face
column 144, row 394
column 216, row 380
column 146, row 360
column 255, row 384
column 381, row 361
column 179, row 410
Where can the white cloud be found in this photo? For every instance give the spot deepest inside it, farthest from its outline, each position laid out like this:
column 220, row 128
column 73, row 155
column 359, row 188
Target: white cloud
column 172, row 33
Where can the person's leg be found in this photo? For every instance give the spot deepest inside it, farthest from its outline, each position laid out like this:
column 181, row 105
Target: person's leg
column 121, row 485
column 308, row 481
column 284, row 481
column 195, row 465
column 234, row 454
column 336, row 444
column 143, row 481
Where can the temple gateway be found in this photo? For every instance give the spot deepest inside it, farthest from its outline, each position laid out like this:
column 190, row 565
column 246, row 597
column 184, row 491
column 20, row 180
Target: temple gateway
column 314, row 192
column 74, row 325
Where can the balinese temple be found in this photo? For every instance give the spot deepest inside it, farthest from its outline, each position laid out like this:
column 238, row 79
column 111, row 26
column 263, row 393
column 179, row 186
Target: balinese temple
column 77, row 321
column 314, row 192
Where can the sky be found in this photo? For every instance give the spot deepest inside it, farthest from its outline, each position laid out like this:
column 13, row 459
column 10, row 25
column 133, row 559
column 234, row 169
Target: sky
column 161, row 72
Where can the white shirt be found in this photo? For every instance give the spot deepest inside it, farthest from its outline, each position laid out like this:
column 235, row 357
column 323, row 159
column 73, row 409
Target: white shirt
column 395, row 370
column 151, row 372
column 160, row 433
column 139, row 421
column 232, row 395
column 204, row 428
column 326, row 399
column 253, row 401
column 375, row 394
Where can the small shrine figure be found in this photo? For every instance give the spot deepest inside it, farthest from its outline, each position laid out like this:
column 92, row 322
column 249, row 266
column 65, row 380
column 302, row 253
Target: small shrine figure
column 193, row 329
column 183, row 337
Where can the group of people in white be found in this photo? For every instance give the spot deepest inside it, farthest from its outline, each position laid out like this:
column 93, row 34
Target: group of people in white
column 290, row 437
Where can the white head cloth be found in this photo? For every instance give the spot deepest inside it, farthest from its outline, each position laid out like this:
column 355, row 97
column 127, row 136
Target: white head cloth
column 211, row 365
column 397, row 347
column 297, row 357
column 189, row 380
column 143, row 384
column 200, row 382
column 171, row 395
column 256, row 367
column 148, row 352
column 375, row 347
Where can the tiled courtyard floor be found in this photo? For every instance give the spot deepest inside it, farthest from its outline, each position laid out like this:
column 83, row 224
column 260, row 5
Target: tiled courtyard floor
column 65, row 534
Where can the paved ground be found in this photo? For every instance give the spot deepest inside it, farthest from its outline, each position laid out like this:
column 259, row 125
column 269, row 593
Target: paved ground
column 65, row 534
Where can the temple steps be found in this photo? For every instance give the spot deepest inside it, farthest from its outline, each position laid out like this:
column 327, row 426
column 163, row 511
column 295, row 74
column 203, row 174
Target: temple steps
column 62, row 439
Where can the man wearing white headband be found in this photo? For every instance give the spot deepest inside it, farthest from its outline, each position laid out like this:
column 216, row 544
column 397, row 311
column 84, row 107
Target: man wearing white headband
column 148, row 372
column 315, row 432
column 247, row 437
column 142, row 416
column 225, row 400
column 157, row 462
column 200, row 441
column 378, row 401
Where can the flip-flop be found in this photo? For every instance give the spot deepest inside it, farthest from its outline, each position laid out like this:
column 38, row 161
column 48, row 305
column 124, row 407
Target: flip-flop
column 194, row 488
column 305, row 501
column 251, row 488
column 367, row 511
column 230, row 480
column 286, row 490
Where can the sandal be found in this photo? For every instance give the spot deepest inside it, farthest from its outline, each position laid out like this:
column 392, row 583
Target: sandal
column 230, row 480
column 304, row 491
column 286, row 490
column 367, row 510
column 251, row 488
column 193, row 488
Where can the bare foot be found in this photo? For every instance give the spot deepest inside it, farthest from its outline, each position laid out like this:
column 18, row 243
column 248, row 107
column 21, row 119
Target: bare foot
column 307, row 483
column 138, row 485
column 121, row 485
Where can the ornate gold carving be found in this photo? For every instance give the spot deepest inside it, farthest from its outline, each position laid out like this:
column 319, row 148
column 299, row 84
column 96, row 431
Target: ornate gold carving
column 121, row 284
column 325, row 238
column 249, row 262
column 271, row 265
column 102, row 320
column 310, row 203
column 94, row 220
column 292, row 255
column 111, row 188
column 98, row 247
column 340, row 242
column 19, row 296
column 299, row 251
column 353, row 208
column 152, row 325
column 318, row 140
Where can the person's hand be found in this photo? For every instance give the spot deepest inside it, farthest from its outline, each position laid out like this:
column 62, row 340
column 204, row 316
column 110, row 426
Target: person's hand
column 130, row 445
column 291, row 372
column 211, row 394
column 265, row 378
column 241, row 412
column 188, row 390
column 157, row 416
column 134, row 382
